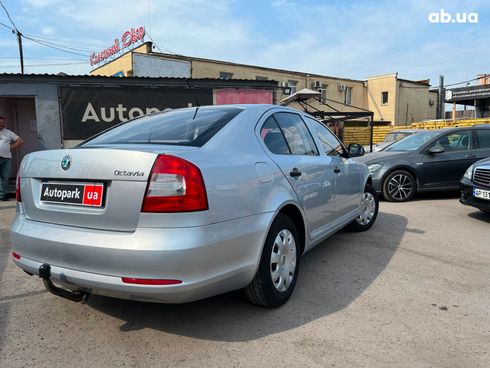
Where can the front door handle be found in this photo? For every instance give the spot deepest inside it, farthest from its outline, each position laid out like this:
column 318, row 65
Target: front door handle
column 471, row 155
column 295, row 173
column 336, row 169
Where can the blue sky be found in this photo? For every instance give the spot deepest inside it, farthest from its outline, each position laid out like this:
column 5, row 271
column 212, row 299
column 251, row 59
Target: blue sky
column 352, row 39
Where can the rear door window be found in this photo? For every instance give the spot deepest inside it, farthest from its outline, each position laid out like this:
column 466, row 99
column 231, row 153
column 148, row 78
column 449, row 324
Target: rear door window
column 184, row 127
column 273, row 138
column 298, row 138
column 483, row 138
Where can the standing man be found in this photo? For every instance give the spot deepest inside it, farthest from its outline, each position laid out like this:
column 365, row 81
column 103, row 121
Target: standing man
column 8, row 141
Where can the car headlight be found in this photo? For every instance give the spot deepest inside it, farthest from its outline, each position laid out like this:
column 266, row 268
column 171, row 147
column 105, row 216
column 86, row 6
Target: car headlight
column 374, row 168
column 469, row 172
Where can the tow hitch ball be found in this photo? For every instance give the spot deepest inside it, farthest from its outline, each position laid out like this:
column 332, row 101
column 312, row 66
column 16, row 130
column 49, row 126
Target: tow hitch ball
column 76, row 296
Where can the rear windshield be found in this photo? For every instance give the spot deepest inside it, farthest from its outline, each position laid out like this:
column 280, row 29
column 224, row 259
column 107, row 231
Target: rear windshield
column 183, row 127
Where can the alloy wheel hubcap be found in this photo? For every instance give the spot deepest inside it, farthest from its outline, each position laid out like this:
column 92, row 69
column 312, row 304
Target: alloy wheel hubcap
column 283, row 260
column 400, row 187
column 368, row 208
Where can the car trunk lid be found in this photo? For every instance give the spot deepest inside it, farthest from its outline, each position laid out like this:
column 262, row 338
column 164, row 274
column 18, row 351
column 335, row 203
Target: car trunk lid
column 98, row 188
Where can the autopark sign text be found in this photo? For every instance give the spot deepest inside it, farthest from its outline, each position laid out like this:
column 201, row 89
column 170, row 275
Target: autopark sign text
column 128, row 38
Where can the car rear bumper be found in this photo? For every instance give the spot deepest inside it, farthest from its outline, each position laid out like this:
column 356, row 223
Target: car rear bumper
column 467, row 198
column 209, row 260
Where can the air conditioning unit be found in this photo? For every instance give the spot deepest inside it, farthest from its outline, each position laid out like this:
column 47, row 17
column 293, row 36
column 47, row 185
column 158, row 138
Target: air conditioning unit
column 342, row 87
column 431, row 102
column 318, row 84
column 284, row 84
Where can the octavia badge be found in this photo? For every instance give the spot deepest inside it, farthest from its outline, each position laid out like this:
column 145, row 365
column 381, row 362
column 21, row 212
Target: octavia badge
column 66, row 162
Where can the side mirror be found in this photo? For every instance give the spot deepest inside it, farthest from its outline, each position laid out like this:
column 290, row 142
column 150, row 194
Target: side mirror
column 436, row 149
column 356, row 150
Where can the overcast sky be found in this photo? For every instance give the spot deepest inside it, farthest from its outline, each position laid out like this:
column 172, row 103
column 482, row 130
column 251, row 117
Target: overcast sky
column 352, row 39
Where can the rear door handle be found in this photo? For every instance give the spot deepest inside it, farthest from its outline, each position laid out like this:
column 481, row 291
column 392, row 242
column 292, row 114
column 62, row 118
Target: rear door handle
column 471, row 155
column 336, row 169
column 295, row 173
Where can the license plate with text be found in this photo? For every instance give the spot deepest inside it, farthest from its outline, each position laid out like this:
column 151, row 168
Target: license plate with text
column 84, row 194
column 481, row 193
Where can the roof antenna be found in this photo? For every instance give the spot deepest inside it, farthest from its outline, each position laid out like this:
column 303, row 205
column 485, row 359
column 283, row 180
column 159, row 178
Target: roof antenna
column 193, row 95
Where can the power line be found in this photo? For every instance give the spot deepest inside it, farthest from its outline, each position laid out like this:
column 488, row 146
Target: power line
column 455, row 84
column 19, row 38
column 37, row 65
column 6, row 26
column 64, row 43
column 8, row 15
column 447, row 85
column 42, row 58
column 60, row 44
column 165, row 48
column 153, row 41
column 55, row 47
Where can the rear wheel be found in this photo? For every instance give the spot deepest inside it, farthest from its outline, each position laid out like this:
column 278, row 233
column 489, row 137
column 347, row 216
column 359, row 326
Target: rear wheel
column 279, row 265
column 368, row 207
column 399, row 186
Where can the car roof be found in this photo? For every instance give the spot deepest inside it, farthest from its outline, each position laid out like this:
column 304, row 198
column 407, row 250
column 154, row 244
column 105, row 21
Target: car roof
column 405, row 131
column 254, row 107
column 457, row 129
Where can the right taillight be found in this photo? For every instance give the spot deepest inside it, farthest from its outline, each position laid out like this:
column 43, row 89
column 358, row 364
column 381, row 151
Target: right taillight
column 17, row 189
column 175, row 185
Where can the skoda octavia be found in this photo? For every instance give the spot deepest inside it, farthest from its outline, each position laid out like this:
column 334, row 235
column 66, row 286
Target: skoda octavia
column 185, row 204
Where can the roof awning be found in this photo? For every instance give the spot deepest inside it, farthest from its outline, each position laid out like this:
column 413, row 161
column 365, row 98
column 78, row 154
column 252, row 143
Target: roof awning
column 303, row 95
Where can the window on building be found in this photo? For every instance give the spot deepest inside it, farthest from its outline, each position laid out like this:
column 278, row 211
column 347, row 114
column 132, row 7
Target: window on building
column 323, row 91
column 292, row 84
column 348, row 96
column 260, row 77
column 225, row 75
column 384, row 97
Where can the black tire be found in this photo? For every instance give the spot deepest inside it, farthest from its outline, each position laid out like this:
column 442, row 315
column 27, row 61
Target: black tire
column 399, row 186
column 367, row 218
column 262, row 290
column 485, row 211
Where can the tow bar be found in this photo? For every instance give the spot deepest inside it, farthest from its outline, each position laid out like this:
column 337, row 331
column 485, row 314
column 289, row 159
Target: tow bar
column 75, row 296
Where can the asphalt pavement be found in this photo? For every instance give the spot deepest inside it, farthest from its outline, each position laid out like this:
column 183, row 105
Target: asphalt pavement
column 414, row 291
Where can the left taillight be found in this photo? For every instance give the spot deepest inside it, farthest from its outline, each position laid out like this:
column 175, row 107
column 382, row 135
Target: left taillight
column 17, row 189
column 175, row 185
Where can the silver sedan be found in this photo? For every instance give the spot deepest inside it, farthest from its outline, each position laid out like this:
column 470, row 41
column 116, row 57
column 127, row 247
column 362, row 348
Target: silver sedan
column 186, row 204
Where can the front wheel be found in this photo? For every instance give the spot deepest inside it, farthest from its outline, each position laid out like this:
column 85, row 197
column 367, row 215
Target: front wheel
column 368, row 208
column 399, row 186
column 279, row 265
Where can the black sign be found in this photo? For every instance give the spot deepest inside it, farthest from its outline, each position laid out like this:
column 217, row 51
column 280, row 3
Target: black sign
column 79, row 194
column 467, row 93
column 87, row 111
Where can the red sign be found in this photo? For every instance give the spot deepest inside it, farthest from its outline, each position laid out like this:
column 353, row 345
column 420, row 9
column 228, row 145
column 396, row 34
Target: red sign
column 227, row 96
column 92, row 195
column 128, row 38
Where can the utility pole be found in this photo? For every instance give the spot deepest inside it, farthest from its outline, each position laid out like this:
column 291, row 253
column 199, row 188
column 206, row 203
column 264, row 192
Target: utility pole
column 19, row 39
column 441, row 105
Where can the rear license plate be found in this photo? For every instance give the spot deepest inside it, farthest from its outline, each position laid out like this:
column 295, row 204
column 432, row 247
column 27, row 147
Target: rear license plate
column 80, row 194
column 481, row 193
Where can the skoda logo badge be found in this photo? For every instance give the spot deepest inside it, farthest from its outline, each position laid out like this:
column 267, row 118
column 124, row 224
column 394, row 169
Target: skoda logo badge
column 66, row 162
